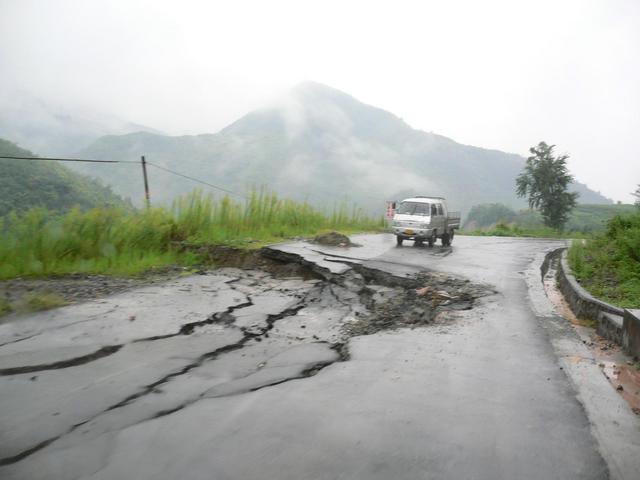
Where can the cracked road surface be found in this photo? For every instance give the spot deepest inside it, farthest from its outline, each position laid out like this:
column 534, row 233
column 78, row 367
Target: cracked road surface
column 243, row 374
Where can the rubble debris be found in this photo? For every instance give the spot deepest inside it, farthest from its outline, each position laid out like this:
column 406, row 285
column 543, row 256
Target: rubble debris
column 414, row 307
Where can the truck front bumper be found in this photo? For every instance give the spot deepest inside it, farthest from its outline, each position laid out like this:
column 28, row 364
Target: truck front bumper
column 413, row 233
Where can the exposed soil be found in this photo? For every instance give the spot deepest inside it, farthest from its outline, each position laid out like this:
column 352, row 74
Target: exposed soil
column 622, row 371
column 390, row 302
column 421, row 303
column 223, row 256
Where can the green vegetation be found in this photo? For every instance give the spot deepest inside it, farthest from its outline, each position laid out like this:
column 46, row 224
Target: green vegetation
column 608, row 265
column 502, row 229
column 545, row 182
column 36, row 302
column 583, row 219
column 489, row 214
column 5, row 307
column 594, row 218
column 32, row 302
column 25, row 184
column 124, row 242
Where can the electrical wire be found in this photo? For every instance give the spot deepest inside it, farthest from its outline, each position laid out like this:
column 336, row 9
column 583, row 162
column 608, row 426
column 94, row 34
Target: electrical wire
column 67, row 159
column 317, row 190
column 124, row 161
column 196, row 180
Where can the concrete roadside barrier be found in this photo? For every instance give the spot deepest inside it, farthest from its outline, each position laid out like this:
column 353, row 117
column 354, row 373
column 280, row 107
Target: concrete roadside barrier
column 631, row 331
column 614, row 323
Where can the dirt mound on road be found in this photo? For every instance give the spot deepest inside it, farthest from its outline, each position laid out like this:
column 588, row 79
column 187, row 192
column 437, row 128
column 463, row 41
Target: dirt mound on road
column 333, row 239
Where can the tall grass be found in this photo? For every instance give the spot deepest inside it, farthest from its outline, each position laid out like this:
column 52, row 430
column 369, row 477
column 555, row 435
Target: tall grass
column 103, row 240
column 262, row 217
column 115, row 241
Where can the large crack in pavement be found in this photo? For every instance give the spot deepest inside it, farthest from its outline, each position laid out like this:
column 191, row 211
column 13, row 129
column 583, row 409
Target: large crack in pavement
column 225, row 317
column 311, row 370
column 188, row 328
column 367, row 299
column 72, row 362
column 411, row 301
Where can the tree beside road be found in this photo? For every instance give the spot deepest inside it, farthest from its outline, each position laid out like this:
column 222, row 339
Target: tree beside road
column 545, row 182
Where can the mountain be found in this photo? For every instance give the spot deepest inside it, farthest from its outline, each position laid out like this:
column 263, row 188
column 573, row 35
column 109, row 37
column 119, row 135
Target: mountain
column 53, row 130
column 25, row 184
column 322, row 144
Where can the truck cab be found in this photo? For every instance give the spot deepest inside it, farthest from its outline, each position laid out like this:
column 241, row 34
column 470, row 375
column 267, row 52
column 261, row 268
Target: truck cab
column 424, row 219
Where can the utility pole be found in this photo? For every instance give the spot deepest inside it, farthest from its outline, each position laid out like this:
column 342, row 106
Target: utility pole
column 146, row 182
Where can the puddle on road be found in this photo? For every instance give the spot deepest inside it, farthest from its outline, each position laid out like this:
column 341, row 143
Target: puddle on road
column 623, row 374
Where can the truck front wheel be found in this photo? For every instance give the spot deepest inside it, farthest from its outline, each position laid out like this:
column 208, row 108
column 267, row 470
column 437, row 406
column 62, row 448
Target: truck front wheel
column 399, row 240
column 432, row 239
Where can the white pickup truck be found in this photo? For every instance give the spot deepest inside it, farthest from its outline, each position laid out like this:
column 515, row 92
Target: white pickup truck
column 424, row 219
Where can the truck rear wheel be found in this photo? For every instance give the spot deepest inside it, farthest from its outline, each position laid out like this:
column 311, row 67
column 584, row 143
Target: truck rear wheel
column 399, row 240
column 447, row 238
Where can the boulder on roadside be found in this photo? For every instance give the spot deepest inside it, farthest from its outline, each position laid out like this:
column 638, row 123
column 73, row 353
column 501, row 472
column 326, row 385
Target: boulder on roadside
column 334, row 239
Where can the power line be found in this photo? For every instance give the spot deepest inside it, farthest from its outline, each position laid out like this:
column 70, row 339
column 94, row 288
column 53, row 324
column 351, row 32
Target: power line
column 123, row 161
column 67, row 159
column 320, row 191
column 309, row 194
column 195, row 180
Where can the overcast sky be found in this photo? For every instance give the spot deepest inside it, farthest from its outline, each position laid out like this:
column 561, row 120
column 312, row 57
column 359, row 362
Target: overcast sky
column 495, row 74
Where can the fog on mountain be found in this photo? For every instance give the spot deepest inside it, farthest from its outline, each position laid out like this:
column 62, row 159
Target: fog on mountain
column 318, row 144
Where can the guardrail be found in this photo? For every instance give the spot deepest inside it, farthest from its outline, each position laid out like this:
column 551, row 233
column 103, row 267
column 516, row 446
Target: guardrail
column 614, row 323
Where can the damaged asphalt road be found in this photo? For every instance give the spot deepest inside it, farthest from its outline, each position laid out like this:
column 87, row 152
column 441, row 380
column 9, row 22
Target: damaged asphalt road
column 370, row 362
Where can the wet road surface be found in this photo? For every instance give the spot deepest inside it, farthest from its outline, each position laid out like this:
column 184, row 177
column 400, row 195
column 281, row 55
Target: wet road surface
column 239, row 374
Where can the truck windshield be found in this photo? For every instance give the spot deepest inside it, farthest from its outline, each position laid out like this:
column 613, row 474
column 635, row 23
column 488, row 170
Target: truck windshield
column 413, row 208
